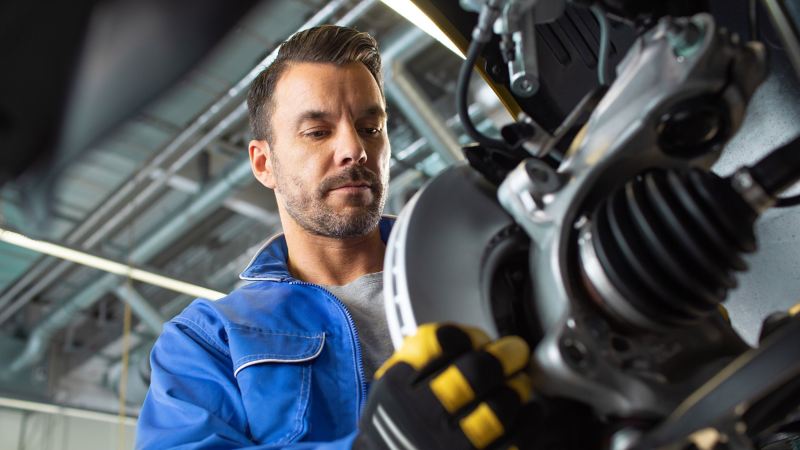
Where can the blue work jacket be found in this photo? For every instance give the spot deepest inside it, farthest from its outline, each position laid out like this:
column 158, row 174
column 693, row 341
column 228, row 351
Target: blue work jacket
column 275, row 364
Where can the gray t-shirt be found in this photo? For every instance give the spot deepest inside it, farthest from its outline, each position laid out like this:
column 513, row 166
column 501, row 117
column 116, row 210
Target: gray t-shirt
column 364, row 299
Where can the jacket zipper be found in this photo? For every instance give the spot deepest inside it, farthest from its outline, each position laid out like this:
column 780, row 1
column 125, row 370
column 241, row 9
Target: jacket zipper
column 353, row 336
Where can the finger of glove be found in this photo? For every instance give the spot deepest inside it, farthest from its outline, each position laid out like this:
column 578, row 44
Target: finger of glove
column 433, row 346
column 512, row 352
column 492, row 420
column 472, row 377
column 522, row 385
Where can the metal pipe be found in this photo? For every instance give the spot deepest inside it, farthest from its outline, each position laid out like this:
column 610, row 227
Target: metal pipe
column 140, row 199
column 138, row 380
column 141, row 307
column 44, row 277
column 356, row 12
column 425, row 119
column 235, row 204
column 404, row 92
column 33, row 274
column 782, row 21
column 68, row 411
column 36, row 344
column 144, row 196
column 205, row 203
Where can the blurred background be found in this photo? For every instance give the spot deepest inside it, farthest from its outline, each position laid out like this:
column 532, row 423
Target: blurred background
column 168, row 189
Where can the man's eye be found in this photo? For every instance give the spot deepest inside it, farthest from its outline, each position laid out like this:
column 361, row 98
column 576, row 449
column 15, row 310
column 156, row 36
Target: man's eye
column 316, row 134
column 371, row 131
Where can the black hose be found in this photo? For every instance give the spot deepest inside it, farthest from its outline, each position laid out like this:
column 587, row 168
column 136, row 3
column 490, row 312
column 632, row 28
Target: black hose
column 786, row 202
column 602, row 52
column 780, row 169
column 752, row 16
column 462, row 93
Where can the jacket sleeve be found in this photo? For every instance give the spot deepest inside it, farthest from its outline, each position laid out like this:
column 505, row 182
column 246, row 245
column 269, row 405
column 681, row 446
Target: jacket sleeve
column 194, row 400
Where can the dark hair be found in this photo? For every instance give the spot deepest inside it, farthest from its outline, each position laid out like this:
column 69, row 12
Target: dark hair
column 323, row 44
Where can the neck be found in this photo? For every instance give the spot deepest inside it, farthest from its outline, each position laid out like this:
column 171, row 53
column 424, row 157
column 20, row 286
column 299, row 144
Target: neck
column 332, row 261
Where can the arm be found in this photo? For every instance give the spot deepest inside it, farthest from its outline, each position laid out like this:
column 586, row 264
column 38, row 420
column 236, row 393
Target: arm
column 194, row 399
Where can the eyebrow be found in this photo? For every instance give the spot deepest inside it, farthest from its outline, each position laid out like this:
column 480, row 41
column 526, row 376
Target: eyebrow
column 318, row 114
column 374, row 111
column 312, row 114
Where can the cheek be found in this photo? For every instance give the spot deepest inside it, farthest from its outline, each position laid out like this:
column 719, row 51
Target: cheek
column 301, row 163
column 307, row 174
column 382, row 156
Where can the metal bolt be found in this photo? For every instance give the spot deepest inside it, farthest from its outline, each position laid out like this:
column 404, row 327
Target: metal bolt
column 524, row 85
column 686, row 38
column 575, row 353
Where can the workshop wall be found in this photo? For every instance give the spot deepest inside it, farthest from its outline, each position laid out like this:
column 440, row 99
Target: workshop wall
column 40, row 431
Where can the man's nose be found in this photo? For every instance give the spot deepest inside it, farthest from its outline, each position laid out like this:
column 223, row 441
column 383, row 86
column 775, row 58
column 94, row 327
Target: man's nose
column 350, row 147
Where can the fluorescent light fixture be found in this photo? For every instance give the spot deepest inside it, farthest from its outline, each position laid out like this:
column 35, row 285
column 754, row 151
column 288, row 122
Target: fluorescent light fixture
column 117, row 268
column 413, row 14
column 49, row 408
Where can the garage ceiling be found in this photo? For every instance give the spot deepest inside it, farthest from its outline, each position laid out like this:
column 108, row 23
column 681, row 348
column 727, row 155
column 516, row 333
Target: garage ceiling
column 169, row 191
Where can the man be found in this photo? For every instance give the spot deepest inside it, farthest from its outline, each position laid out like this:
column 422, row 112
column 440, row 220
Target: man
column 286, row 359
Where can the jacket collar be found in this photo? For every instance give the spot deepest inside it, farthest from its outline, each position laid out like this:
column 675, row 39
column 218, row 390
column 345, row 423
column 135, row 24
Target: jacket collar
column 269, row 262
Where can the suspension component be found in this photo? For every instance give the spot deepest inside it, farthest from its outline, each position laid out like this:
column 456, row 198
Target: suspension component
column 662, row 250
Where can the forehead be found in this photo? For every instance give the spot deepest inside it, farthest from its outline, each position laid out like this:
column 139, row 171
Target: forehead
column 325, row 86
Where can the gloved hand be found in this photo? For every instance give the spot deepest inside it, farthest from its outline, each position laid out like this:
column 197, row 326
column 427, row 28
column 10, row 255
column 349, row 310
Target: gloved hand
column 448, row 387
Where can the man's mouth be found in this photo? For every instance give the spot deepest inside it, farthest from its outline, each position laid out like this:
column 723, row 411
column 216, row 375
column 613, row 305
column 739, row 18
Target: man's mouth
column 352, row 186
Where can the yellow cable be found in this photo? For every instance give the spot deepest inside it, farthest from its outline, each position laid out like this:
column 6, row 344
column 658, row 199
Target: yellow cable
column 126, row 333
column 123, row 378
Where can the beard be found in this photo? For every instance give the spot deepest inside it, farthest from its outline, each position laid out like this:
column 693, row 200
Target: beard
column 307, row 206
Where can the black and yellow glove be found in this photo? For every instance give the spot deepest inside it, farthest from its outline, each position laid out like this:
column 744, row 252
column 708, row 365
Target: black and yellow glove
column 448, row 387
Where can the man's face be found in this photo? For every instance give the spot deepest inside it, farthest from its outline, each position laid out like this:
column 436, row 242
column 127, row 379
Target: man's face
column 329, row 154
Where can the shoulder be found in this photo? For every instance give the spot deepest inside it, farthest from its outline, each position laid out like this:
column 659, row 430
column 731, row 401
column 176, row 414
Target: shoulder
column 260, row 305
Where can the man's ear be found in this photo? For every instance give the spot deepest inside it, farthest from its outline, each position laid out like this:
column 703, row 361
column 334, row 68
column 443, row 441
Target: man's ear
column 261, row 162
